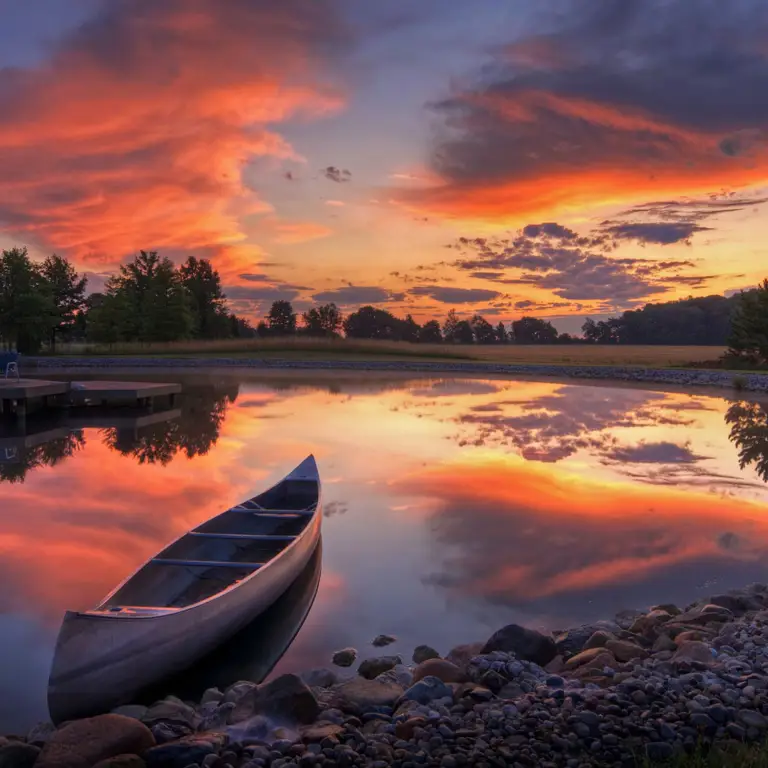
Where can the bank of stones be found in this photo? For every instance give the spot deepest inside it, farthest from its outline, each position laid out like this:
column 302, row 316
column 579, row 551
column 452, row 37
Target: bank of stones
column 648, row 685
column 751, row 382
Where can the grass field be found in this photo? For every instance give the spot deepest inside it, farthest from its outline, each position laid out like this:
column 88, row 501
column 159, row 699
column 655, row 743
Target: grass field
column 342, row 349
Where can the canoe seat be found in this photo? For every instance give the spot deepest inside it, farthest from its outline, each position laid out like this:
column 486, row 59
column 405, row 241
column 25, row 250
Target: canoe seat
column 207, row 563
column 242, row 536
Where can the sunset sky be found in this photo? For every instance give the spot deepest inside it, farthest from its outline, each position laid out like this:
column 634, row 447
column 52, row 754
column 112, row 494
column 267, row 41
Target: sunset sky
column 549, row 157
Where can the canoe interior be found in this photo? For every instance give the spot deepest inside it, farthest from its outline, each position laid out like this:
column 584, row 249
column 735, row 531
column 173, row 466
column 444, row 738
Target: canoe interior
column 219, row 553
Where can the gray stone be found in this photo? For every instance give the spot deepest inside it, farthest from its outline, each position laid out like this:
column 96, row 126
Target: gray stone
column 320, row 678
column 440, row 668
column 461, row 655
column 17, row 754
column 659, row 750
column 527, row 644
column 370, row 668
column 345, row 657
column 186, row 752
column 286, row 697
column 212, row 694
column 423, row 653
column 359, row 696
column 752, row 719
column 427, row 690
column 170, row 710
column 381, row 640
column 40, row 733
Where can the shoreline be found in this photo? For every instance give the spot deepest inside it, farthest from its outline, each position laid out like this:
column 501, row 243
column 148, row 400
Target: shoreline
column 747, row 382
column 647, row 686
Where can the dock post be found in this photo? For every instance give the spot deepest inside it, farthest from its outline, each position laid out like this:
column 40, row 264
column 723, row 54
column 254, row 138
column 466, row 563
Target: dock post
column 21, row 413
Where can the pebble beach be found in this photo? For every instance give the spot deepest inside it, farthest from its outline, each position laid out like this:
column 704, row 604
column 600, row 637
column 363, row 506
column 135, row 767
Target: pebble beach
column 643, row 687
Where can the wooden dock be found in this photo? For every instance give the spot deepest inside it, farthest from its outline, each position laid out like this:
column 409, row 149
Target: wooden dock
column 17, row 395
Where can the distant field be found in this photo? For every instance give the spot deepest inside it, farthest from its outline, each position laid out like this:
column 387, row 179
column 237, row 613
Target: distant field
column 324, row 349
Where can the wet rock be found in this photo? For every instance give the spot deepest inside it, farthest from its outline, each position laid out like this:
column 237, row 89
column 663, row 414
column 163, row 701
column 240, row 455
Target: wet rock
column 440, row 668
column 752, row 719
column 691, row 634
column 461, row 655
column 381, row 640
column 526, row 644
column 17, row 754
column 669, row 608
column 627, row 617
column 212, row 695
column 664, row 643
column 598, row 639
column 237, row 690
column 122, row 761
column 320, row 678
column 286, row 697
column 424, row 652
column 359, row 695
column 321, row 731
column 594, row 657
column 163, row 731
column 345, row 657
column 399, row 674
column 427, row 690
column 40, row 733
column 738, row 605
column 405, row 728
column 648, row 624
column 370, row 668
column 659, row 750
column 82, row 743
column 575, row 640
column 707, row 614
column 189, row 751
column 625, row 651
column 694, row 651
column 170, row 710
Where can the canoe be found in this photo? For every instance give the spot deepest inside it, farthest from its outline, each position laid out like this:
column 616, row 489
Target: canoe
column 188, row 599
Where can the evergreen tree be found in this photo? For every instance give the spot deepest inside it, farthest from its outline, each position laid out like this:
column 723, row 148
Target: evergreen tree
column 430, row 333
column 410, row 329
column 749, row 327
column 482, row 331
column 501, row 333
column 281, row 320
column 67, row 291
column 206, row 299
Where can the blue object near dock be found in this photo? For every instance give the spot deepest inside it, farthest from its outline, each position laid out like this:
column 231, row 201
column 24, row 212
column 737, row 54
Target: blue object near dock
column 9, row 364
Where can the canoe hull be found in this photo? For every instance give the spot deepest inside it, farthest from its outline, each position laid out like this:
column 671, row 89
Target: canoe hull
column 104, row 661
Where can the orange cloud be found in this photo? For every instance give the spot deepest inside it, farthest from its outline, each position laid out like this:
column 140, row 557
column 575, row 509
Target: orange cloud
column 135, row 133
column 300, row 232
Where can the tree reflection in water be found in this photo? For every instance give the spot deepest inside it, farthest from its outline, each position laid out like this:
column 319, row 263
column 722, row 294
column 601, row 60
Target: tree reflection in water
column 749, row 432
column 16, row 463
column 203, row 408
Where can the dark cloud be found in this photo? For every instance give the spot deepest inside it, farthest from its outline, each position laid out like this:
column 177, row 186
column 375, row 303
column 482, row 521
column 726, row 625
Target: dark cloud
column 659, row 233
column 449, row 295
column 653, row 453
column 358, row 294
column 262, row 293
column 339, row 175
column 611, row 101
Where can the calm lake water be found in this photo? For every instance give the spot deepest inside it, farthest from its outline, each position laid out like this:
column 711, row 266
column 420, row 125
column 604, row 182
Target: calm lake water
column 452, row 507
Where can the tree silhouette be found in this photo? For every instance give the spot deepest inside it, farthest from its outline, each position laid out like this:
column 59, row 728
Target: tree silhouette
column 281, row 320
column 749, row 432
column 46, row 455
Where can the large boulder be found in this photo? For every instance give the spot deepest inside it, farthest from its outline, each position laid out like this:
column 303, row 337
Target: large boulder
column 461, row 655
column 526, row 644
column 693, row 651
column 83, row 743
column 370, row 668
column 287, row 697
column 574, row 640
column 359, row 696
column 17, row 754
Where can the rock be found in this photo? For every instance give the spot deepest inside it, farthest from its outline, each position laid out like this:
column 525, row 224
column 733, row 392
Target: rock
column 381, row 640
column 286, row 697
column 623, row 650
column 170, row 710
column 82, row 743
column 399, row 674
column 136, row 711
column 40, row 734
column 694, row 651
column 237, row 690
column 212, row 695
column 359, row 696
column 404, row 729
column 555, row 666
column 626, row 618
column 736, row 604
column 345, row 657
column 17, row 754
column 121, row 761
column 423, row 653
column 321, row 731
column 669, row 608
column 752, row 719
column 664, row 643
column 648, row 624
column 691, row 634
column 526, row 644
column 575, row 640
column 320, row 678
column 462, row 654
column 594, row 657
column 427, row 690
column 708, row 614
column 191, row 750
column 163, row 731
column 440, row 668
column 659, row 750
column 598, row 639
column 371, row 668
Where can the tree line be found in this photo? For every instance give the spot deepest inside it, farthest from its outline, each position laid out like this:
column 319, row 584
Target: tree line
column 149, row 299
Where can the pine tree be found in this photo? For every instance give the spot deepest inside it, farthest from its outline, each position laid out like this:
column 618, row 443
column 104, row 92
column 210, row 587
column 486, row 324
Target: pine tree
column 749, row 327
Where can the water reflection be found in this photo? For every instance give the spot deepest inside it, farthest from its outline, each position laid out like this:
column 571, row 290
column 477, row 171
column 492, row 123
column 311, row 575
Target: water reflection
column 22, row 453
column 452, row 506
column 749, row 431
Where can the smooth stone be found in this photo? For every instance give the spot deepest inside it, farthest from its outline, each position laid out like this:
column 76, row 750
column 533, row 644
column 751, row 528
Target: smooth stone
column 598, row 639
column 664, row 643
column 593, row 657
column 83, row 743
column 212, row 694
column 191, row 750
column 237, row 690
column 370, row 668
column 321, row 731
column 648, row 624
column 399, row 674
column 381, row 640
column 345, row 657
column 172, row 711
column 623, row 650
column 320, row 678
column 440, row 668
column 670, row 608
column 659, row 750
column 359, row 696
column 691, row 634
column 424, row 653
column 286, row 697
column 427, row 690
column 461, row 655
column 752, row 719
column 626, row 617
column 693, row 650
column 17, row 754
column 526, row 644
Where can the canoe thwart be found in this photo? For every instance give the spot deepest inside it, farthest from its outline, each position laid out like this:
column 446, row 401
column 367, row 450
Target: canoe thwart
column 207, row 563
column 243, row 536
column 271, row 512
